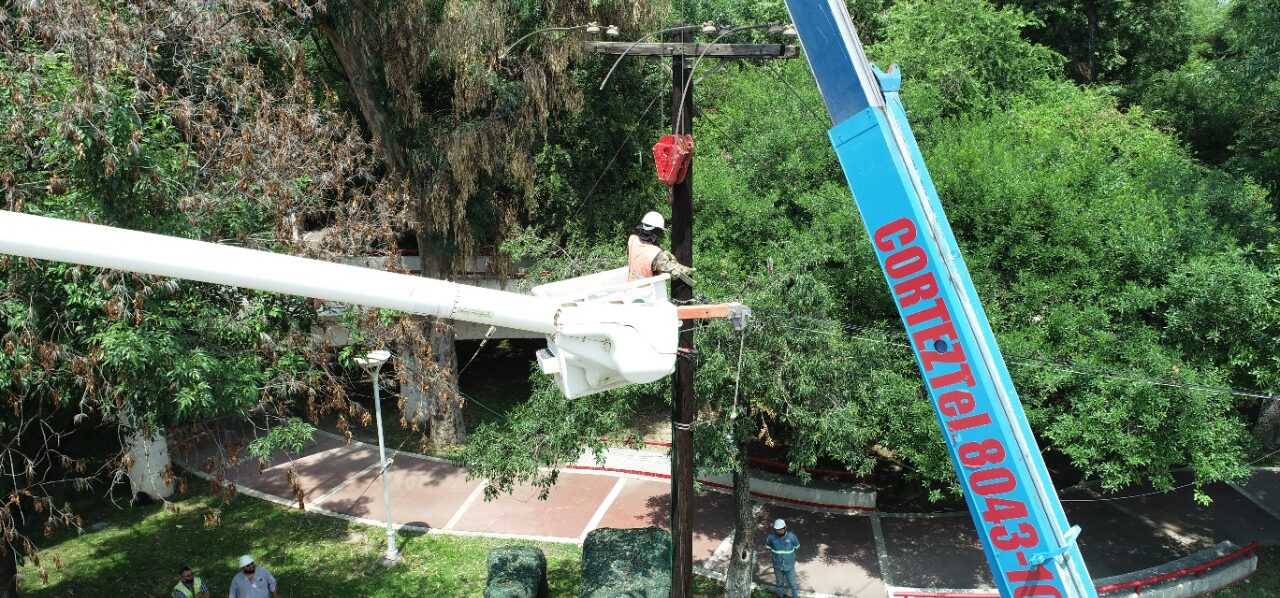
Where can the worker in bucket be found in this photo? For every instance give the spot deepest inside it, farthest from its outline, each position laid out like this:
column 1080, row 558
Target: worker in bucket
column 645, row 256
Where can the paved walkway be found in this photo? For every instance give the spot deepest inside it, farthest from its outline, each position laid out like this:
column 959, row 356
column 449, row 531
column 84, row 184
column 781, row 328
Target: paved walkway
column 854, row 554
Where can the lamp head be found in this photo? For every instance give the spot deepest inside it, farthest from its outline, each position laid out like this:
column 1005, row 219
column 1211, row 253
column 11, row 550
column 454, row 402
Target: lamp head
column 373, row 360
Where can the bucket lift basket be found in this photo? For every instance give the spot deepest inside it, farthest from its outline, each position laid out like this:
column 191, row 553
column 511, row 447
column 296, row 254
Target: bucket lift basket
column 639, row 350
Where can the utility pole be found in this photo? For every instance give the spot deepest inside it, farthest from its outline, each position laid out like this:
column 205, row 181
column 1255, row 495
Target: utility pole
column 683, row 54
column 682, row 383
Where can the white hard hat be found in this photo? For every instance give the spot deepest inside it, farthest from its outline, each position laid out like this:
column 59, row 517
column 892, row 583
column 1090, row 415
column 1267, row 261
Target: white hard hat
column 247, row 560
column 779, row 524
column 653, row 220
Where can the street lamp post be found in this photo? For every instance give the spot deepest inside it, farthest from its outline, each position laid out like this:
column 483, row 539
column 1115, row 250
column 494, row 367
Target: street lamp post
column 372, row 363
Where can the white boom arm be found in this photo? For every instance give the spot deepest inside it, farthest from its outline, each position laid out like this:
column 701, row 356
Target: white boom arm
column 594, row 342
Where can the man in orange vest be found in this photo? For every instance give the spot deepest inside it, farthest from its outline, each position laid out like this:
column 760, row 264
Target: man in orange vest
column 645, row 256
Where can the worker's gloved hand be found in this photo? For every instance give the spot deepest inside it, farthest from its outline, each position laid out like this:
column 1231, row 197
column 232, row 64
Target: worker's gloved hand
column 683, row 273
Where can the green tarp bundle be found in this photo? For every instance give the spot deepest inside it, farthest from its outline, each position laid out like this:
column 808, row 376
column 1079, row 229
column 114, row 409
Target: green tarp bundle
column 516, row 572
column 635, row 563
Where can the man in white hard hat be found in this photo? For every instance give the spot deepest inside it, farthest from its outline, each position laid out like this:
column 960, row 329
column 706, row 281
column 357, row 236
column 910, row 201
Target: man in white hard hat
column 783, row 545
column 252, row 581
column 645, row 256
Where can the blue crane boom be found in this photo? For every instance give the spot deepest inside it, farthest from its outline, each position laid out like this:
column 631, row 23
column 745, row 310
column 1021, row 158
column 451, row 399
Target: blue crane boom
column 1025, row 534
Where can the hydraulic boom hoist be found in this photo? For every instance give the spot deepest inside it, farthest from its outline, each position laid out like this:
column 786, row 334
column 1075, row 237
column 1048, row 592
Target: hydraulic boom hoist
column 1028, row 542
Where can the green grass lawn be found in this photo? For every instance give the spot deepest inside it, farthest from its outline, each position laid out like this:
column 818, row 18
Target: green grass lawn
column 140, row 550
column 1265, row 583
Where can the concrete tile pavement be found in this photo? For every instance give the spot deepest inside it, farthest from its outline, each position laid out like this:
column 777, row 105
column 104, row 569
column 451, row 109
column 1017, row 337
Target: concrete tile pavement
column 423, row 493
column 934, row 552
column 842, row 554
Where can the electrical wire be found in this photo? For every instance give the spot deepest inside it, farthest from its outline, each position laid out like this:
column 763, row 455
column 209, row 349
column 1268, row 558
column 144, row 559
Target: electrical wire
column 1069, row 367
column 1155, row 492
column 503, row 55
column 624, row 53
column 684, row 93
column 777, row 73
column 616, row 153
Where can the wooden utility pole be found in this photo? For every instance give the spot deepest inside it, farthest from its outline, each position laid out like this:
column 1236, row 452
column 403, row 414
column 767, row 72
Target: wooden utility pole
column 683, row 53
column 682, row 384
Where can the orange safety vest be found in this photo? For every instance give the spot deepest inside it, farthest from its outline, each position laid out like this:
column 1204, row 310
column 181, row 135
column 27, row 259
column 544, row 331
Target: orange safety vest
column 640, row 256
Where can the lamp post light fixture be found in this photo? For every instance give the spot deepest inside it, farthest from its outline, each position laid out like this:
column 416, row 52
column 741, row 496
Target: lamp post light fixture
column 372, row 363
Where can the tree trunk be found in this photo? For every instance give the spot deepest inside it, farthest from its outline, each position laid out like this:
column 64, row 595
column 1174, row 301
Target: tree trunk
column 150, row 470
column 431, row 397
column 1092, row 10
column 431, row 394
column 8, row 571
column 742, row 562
column 352, row 52
column 440, row 408
column 1267, row 427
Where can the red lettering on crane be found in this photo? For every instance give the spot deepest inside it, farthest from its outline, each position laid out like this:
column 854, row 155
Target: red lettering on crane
column 906, row 262
column 936, row 341
column 925, row 337
column 937, row 311
column 964, row 374
column 905, row 230
column 915, row 290
column 955, row 403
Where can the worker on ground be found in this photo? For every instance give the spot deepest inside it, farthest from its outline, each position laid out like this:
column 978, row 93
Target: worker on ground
column 645, row 256
column 189, row 586
column 783, row 545
column 252, row 581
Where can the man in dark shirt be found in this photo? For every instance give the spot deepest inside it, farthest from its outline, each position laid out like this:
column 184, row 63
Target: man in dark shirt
column 783, row 544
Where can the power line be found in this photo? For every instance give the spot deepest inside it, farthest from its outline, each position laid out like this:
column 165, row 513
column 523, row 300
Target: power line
column 1145, row 494
column 777, row 73
column 1068, row 367
column 617, row 153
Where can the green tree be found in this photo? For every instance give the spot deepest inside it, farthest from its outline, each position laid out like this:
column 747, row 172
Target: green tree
column 460, row 129
column 179, row 120
column 1114, row 40
column 961, row 57
column 1224, row 101
column 1097, row 242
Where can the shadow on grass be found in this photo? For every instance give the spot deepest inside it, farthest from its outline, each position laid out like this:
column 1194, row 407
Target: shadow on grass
column 141, row 550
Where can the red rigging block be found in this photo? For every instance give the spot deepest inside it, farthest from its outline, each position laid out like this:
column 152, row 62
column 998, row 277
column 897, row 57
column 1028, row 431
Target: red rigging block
column 671, row 157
